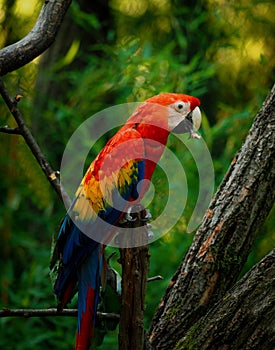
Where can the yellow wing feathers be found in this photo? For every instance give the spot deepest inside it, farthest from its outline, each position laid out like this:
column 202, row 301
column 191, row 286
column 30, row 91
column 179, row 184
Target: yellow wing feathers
column 114, row 169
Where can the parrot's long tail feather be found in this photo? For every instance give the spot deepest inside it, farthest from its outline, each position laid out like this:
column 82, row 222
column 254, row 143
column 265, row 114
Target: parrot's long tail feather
column 78, row 262
column 88, row 294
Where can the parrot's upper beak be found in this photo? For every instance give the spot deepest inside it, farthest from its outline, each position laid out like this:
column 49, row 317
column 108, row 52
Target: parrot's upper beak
column 191, row 123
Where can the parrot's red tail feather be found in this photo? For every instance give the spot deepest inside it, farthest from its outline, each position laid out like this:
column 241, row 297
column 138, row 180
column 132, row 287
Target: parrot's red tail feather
column 85, row 333
column 67, row 296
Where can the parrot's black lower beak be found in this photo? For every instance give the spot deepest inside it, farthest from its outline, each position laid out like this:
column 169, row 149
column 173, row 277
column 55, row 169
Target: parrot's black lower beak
column 186, row 126
column 183, row 127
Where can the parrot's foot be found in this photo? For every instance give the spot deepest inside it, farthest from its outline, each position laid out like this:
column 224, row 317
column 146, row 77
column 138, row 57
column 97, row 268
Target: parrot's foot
column 150, row 232
column 131, row 216
column 127, row 217
column 148, row 216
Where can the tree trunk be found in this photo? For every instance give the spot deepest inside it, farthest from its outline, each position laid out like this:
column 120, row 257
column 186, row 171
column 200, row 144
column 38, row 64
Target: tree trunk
column 223, row 242
column 243, row 319
column 135, row 263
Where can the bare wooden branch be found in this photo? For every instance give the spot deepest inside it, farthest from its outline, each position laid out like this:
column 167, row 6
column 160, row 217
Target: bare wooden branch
column 7, row 130
column 6, row 312
column 39, row 38
column 33, row 145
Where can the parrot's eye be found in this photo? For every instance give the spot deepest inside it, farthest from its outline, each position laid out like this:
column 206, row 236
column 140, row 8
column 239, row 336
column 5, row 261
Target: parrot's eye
column 181, row 106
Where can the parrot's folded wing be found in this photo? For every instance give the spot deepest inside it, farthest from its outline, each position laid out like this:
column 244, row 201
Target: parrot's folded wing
column 108, row 186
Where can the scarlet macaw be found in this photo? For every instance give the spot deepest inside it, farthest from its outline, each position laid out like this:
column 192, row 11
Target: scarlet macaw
column 106, row 192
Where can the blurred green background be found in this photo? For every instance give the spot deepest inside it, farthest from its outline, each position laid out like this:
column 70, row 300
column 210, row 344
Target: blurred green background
column 111, row 52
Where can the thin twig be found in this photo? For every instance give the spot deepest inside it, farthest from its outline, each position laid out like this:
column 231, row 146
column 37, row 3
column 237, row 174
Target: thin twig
column 33, row 145
column 51, row 312
column 155, row 278
column 7, row 130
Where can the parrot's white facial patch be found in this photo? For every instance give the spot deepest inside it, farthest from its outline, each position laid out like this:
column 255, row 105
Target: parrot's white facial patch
column 177, row 113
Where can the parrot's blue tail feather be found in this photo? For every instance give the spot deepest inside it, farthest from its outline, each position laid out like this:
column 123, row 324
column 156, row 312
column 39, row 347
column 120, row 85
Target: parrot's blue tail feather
column 88, row 294
column 80, row 265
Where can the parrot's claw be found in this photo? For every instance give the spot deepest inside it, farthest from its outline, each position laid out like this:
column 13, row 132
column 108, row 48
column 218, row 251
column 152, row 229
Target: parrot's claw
column 150, row 232
column 147, row 217
column 127, row 217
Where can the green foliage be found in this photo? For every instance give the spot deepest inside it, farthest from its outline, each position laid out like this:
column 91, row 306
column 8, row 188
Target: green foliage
column 123, row 53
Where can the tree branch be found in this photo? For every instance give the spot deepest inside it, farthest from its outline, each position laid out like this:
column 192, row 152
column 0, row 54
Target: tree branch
column 246, row 312
column 51, row 312
column 6, row 130
column 223, row 242
column 39, row 38
column 31, row 142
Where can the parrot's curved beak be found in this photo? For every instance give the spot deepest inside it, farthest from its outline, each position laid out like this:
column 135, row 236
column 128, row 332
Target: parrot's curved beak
column 191, row 123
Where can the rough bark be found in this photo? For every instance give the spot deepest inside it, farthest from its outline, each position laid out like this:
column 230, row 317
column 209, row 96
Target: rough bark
column 223, row 242
column 39, row 38
column 243, row 319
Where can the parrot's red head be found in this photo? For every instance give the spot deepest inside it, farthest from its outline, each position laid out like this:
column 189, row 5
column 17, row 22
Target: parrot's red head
column 184, row 114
